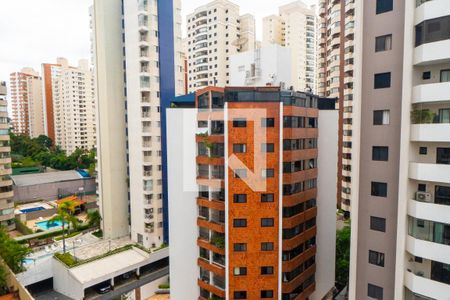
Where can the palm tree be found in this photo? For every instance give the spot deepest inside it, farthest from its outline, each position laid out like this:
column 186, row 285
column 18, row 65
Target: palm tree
column 65, row 216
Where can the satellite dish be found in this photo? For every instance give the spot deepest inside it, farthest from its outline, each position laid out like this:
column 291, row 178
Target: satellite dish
column 240, row 42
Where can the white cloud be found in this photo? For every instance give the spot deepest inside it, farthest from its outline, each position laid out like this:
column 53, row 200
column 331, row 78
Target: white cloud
column 38, row 31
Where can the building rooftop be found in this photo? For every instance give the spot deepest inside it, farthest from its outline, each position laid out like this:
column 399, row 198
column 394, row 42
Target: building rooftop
column 108, row 265
column 49, row 177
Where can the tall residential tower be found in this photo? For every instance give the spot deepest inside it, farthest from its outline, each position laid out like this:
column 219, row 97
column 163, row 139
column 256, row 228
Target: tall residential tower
column 250, row 210
column 26, row 102
column 138, row 73
column 295, row 27
column 216, row 31
column 401, row 188
column 69, row 105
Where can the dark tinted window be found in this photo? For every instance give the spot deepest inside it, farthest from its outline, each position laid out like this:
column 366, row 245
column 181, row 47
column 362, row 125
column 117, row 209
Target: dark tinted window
column 268, row 122
column 203, row 100
column 381, row 117
column 380, row 153
column 433, row 30
column 267, row 246
column 266, row 270
column 384, row 6
column 443, row 156
column 239, row 198
column 382, row 80
column 378, row 224
column 423, row 150
column 240, row 223
column 217, row 100
column 267, row 148
column 376, row 258
column 240, row 295
column 442, row 195
column 266, row 294
column 379, row 189
column 383, row 43
column 239, row 148
column 267, row 198
column 375, row 292
column 267, row 222
column 240, row 247
column 239, row 123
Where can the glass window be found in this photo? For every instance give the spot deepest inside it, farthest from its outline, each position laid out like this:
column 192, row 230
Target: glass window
column 267, row 294
column 240, row 271
column 267, row 148
column 442, row 195
column 381, row 117
column 239, row 122
column 268, row 122
column 382, row 80
column 267, row 198
column 240, row 295
column 240, row 247
column 267, row 246
column 444, row 115
column 268, row 173
column 240, row 173
column 379, row 189
column 240, row 223
column 383, row 43
column 384, row 6
column 433, row 30
column 380, row 153
column 239, row 148
column 376, row 258
column 378, row 224
column 445, row 75
column 239, row 198
column 267, row 222
column 203, row 100
column 375, row 292
column 423, row 150
column 443, row 156
column 217, row 100
column 266, row 270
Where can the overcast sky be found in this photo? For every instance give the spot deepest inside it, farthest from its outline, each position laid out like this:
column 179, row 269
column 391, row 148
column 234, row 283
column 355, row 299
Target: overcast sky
column 37, row 31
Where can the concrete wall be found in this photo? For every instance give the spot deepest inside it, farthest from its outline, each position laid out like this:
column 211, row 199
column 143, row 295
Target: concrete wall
column 326, row 203
column 50, row 191
column 181, row 147
column 65, row 284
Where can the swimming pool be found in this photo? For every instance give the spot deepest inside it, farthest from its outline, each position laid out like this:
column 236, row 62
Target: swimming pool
column 46, row 225
column 32, row 209
column 27, row 261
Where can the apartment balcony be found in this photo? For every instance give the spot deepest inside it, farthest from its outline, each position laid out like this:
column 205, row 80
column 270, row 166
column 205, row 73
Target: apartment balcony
column 426, row 287
column 431, row 93
column 211, row 225
column 4, row 183
column 430, row 132
column 432, row 53
column 4, row 195
column 428, row 239
column 430, row 9
column 429, row 211
column 429, row 172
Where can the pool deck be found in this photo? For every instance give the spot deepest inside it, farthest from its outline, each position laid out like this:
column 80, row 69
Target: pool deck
column 32, row 223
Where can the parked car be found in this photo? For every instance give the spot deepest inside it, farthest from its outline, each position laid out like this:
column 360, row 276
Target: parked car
column 103, row 288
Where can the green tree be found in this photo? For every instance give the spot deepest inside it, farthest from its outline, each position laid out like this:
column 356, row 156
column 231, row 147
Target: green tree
column 12, row 252
column 65, row 215
column 94, row 218
column 3, row 281
column 343, row 255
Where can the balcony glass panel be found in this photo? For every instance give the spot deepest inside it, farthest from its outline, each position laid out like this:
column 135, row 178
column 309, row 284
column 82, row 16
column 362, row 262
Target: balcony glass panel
column 429, row 231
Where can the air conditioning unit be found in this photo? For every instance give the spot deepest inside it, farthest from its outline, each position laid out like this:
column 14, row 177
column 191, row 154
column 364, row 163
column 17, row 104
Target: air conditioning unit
column 423, row 196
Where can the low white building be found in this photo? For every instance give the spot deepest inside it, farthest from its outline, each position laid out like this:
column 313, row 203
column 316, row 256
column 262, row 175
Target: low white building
column 270, row 64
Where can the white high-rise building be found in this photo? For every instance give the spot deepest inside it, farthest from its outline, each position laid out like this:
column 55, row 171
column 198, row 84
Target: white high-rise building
column 69, row 105
column 139, row 70
column 215, row 32
column 27, row 103
column 295, row 27
column 401, row 156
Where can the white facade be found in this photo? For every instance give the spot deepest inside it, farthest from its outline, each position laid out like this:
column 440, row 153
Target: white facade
column 132, row 152
column 181, row 130
column 73, row 105
column 266, row 65
column 215, row 32
column 326, row 203
column 27, row 103
column 295, row 27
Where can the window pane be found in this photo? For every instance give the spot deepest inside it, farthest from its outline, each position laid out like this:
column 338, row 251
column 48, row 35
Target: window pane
column 384, row 6
column 382, row 80
column 379, row 189
column 375, row 292
column 378, row 224
column 443, row 156
column 380, row 153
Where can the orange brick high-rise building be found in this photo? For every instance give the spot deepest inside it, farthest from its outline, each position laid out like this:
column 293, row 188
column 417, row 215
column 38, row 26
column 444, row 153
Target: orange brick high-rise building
column 255, row 199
